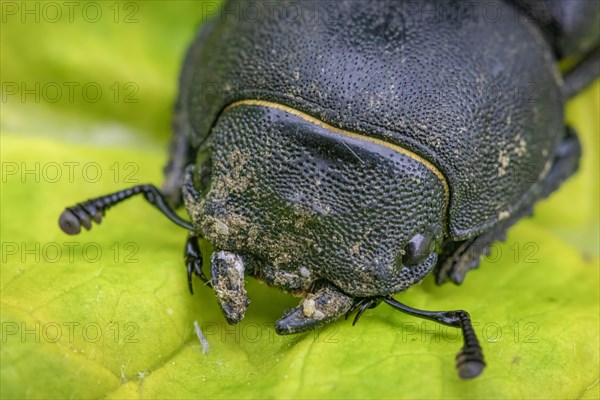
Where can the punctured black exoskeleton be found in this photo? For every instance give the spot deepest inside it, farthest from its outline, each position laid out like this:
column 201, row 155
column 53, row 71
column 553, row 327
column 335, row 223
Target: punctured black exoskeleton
column 344, row 157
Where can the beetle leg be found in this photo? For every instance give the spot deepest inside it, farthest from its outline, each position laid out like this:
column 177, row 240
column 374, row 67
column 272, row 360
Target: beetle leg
column 181, row 150
column 193, row 261
column 583, row 74
column 179, row 157
column 461, row 257
column 361, row 305
column 317, row 309
column 227, row 272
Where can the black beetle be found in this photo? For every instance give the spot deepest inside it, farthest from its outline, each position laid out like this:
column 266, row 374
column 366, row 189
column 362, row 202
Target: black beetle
column 344, row 154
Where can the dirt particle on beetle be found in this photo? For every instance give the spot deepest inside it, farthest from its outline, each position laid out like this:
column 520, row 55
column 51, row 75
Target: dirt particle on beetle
column 308, row 307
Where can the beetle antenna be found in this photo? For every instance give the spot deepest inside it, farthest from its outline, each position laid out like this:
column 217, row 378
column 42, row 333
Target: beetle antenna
column 92, row 210
column 469, row 361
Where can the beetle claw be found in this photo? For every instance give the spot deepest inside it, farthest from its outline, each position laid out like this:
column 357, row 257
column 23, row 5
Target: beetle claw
column 361, row 304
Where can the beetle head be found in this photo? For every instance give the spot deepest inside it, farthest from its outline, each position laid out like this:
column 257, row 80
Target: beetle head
column 304, row 201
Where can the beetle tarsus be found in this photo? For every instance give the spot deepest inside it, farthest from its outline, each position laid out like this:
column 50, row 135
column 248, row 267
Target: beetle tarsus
column 72, row 218
column 193, row 261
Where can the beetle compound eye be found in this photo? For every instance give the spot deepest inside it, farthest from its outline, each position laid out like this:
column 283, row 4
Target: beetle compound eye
column 418, row 249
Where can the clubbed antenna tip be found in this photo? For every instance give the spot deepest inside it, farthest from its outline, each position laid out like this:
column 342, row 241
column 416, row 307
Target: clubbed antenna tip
column 72, row 218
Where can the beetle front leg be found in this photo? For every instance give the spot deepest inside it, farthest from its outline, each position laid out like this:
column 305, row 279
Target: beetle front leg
column 193, row 261
column 319, row 308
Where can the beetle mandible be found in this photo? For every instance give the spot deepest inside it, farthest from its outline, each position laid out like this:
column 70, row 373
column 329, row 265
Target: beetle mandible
column 343, row 158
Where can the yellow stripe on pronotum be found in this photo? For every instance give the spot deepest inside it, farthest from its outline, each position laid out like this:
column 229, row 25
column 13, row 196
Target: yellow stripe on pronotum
column 352, row 135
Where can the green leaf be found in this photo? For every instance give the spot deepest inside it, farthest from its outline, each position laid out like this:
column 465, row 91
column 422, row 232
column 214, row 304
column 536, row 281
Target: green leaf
column 108, row 314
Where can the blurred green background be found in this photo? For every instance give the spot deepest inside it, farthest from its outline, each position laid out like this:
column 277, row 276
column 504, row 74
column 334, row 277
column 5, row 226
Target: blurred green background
column 87, row 96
